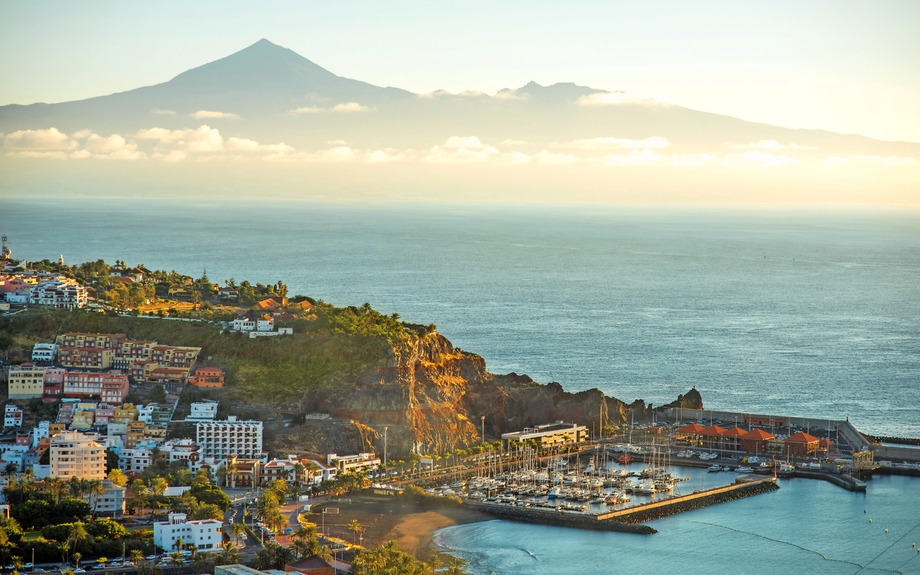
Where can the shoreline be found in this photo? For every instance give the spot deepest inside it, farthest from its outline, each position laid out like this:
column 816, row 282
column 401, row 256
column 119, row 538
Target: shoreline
column 383, row 519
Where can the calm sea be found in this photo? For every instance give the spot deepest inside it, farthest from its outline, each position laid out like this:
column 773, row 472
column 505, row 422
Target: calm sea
column 800, row 313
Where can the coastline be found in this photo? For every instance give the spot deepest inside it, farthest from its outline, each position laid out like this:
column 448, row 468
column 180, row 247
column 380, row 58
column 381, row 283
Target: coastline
column 383, row 519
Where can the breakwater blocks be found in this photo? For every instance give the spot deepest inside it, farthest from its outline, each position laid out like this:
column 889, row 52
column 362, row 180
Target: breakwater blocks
column 696, row 500
column 559, row 518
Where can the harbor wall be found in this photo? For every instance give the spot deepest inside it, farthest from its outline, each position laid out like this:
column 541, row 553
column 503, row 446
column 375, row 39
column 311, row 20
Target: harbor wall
column 666, row 507
column 559, row 519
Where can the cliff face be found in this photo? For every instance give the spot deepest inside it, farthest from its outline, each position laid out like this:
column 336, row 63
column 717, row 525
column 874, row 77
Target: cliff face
column 431, row 397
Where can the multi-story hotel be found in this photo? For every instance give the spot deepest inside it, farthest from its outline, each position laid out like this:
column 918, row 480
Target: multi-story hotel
column 26, row 381
column 111, row 387
column 76, row 455
column 220, row 439
column 203, row 534
column 61, row 294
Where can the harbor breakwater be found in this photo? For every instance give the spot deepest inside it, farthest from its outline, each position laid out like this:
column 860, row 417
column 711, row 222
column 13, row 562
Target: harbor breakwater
column 559, row 519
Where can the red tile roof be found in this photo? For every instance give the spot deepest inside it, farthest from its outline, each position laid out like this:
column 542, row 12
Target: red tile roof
column 692, row 428
column 758, row 434
column 713, row 430
column 734, row 432
column 801, row 437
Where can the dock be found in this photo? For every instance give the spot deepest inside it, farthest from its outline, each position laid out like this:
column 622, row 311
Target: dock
column 631, row 519
column 696, row 500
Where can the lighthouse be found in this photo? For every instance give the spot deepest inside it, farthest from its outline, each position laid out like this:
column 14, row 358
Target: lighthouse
column 5, row 252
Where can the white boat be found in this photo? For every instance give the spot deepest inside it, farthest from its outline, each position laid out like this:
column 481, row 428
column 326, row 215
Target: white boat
column 745, row 469
column 715, row 468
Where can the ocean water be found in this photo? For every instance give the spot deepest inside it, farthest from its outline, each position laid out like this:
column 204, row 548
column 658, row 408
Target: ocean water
column 806, row 313
column 805, row 527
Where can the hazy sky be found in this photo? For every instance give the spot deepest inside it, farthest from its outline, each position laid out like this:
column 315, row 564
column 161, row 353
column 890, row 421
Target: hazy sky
column 845, row 66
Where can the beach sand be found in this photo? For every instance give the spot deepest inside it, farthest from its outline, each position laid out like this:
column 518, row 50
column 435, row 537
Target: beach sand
column 384, row 518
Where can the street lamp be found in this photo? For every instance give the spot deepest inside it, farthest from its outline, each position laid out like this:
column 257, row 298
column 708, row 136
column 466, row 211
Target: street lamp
column 385, row 428
column 483, row 441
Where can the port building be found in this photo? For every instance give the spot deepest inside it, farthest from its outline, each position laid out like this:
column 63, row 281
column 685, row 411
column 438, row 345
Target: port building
column 549, row 434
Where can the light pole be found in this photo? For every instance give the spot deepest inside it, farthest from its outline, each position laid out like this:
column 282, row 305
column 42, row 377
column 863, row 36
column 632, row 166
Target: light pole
column 385, row 428
column 483, row 441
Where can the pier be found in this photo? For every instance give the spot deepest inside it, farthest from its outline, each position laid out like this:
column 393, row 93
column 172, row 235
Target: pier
column 671, row 506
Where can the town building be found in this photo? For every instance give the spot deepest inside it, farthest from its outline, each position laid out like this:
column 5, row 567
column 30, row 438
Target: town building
column 550, row 434
column 202, row 411
column 208, row 377
column 136, row 460
column 90, row 340
column 26, row 381
column 353, row 463
column 64, row 293
column 125, row 413
column 111, row 503
column 85, row 357
column 755, row 441
column 12, row 416
column 110, row 387
column 203, row 534
column 45, row 352
column 802, row 444
column 220, row 439
column 74, row 454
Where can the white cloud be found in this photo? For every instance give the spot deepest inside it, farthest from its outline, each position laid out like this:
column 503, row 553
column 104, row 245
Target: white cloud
column 514, row 158
column 336, row 154
column 655, row 142
column 383, row 156
column 759, row 159
column 471, row 142
column 242, row 144
column 770, row 146
column 160, row 112
column 81, row 154
column 85, row 133
column 113, row 143
column 634, row 158
column 616, row 99
column 211, row 114
column 307, row 110
column 202, row 139
column 461, row 149
column 350, row 107
column 123, row 154
column 508, row 94
column 547, row 157
column 50, row 139
column 693, row 160
column 885, row 161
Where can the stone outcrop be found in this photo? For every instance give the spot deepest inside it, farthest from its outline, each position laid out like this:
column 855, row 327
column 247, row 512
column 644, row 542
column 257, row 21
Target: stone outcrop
column 431, row 398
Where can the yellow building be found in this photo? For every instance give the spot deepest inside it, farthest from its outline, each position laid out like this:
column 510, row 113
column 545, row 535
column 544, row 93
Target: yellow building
column 135, row 433
column 76, row 455
column 26, row 381
column 125, row 414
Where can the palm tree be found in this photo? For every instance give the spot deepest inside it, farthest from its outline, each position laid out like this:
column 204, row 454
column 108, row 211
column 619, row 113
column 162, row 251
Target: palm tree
column 179, row 544
column 137, row 556
column 237, row 529
column 175, row 559
column 76, row 558
column 10, row 469
column 77, row 535
column 95, row 489
column 355, row 527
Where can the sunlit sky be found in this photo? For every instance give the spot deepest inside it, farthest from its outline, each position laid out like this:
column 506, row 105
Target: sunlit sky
column 844, row 66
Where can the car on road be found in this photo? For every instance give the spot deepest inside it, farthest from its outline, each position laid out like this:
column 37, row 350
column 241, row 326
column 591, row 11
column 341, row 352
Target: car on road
column 27, row 565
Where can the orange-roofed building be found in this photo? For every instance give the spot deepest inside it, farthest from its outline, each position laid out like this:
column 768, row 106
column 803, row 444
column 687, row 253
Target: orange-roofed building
column 208, row 377
column 712, row 436
column 802, row 444
column 755, row 441
column 732, row 438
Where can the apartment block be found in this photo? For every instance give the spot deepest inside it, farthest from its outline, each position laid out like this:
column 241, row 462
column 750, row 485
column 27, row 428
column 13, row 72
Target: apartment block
column 74, row 454
column 220, row 439
column 85, row 357
column 26, row 381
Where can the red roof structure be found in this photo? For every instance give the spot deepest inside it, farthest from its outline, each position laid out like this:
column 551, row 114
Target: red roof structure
column 692, row 428
column 713, row 430
column 734, row 432
column 758, row 435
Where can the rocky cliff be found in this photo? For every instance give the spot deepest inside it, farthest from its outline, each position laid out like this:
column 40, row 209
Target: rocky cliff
column 432, row 397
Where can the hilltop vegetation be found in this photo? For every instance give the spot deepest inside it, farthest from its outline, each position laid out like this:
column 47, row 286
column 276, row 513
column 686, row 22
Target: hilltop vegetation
column 333, row 349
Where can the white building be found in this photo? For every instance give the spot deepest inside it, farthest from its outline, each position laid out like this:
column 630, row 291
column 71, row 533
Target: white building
column 44, row 352
column 203, row 411
column 220, row 439
column 18, row 297
column 111, row 503
column 204, row 534
column 58, row 293
column 136, row 460
column 145, row 413
column 74, row 454
column 244, row 324
column 180, row 449
column 12, row 416
column 353, row 463
column 41, row 431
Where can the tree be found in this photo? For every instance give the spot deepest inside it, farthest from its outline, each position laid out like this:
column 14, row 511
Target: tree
column 95, row 489
column 118, row 477
column 355, row 527
column 76, row 558
column 137, row 556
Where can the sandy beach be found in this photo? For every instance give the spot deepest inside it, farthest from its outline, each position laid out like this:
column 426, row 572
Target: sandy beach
column 384, row 518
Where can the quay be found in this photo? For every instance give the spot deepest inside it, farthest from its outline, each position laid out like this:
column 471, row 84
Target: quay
column 671, row 506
